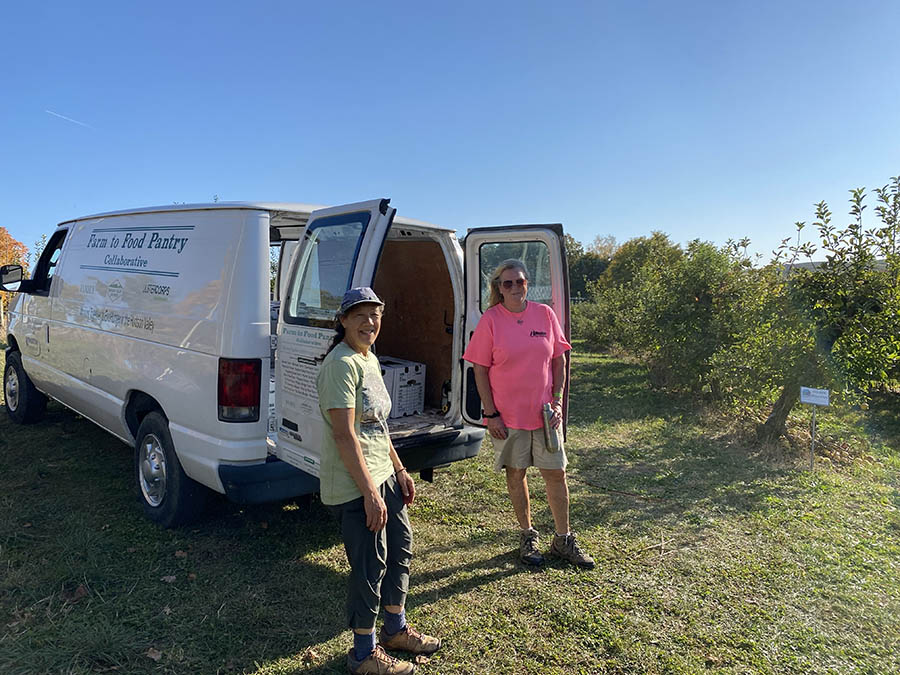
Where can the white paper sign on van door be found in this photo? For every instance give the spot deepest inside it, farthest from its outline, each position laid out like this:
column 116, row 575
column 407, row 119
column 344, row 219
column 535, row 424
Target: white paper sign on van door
column 300, row 353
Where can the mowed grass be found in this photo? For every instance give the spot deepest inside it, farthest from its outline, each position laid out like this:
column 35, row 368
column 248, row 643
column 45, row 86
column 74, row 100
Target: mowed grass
column 712, row 557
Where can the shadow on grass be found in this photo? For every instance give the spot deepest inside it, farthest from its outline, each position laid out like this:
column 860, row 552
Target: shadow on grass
column 242, row 585
column 90, row 584
column 610, row 390
column 884, row 418
column 664, row 464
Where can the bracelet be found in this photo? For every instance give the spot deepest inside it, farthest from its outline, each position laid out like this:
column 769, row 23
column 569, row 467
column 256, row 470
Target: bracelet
column 402, row 468
column 490, row 417
column 557, row 395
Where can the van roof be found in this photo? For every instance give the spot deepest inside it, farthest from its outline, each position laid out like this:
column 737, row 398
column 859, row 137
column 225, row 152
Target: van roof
column 290, row 213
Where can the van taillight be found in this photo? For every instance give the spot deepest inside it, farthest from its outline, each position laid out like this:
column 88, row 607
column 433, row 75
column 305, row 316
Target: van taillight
column 239, row 387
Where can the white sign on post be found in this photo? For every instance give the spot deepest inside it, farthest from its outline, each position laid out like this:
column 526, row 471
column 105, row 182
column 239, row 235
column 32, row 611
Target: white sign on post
column 814, row 396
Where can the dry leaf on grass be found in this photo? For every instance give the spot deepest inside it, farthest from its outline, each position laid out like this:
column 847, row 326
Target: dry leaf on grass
column 169, row 579
column 420, row 659
column 310, row 656
column 131, row 549
column 154, row 654
column 264, row 525
column 76, row 595
column 167, row 610
column 192, row 577
column 181, row 554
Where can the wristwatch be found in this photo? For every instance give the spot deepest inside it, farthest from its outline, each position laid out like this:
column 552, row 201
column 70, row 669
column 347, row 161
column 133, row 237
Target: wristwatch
column 490, row 417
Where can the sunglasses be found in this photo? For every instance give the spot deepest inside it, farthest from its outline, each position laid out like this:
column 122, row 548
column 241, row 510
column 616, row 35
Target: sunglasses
column 508, row 284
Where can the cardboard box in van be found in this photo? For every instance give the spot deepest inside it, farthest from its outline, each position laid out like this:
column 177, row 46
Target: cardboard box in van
column 158, row 325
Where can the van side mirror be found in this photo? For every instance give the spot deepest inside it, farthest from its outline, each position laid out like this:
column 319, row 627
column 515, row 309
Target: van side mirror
column 11, row 277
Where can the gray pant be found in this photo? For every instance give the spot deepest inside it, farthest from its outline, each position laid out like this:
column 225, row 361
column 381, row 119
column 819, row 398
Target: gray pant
column 379, row 561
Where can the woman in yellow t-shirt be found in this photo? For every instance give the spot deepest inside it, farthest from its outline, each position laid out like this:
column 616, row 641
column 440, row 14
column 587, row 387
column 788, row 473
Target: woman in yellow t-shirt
column 365, row 485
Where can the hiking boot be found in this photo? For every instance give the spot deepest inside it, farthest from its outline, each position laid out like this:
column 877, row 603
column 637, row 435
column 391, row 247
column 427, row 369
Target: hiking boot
column 564, row 546
column 528, row 547
column 409, row 640
column 378, row 663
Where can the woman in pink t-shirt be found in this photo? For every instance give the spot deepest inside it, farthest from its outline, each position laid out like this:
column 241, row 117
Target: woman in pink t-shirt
column 518, row 351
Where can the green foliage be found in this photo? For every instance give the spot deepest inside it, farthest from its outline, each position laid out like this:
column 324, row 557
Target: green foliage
column 704, row 319
column 39, row 247
column 588, row 265
column 274, row 257
column 678, row 308
column 634, row 254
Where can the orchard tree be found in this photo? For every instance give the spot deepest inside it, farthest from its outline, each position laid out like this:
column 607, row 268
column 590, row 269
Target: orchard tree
column 849, row 303
column 585, row 266
column 630, row 258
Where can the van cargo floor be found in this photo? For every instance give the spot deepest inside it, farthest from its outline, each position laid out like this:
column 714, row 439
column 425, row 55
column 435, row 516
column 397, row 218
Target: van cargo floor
column 428, row 422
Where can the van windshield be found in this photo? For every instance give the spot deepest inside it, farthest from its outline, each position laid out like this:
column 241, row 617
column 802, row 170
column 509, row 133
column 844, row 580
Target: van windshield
column 325, row 269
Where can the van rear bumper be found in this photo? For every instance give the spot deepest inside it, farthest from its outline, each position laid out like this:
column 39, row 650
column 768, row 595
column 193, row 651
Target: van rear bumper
column 271, row 481
column 276, row 480
column 430, row 450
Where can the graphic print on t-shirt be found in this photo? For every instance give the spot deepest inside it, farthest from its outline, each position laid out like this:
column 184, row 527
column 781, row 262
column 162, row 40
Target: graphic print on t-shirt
column 376, row 404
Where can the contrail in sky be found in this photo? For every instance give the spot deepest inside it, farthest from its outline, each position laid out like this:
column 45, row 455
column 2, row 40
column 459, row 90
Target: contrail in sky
column 68, row 119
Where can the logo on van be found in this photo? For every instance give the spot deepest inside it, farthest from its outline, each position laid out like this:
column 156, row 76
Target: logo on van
column 114, row 291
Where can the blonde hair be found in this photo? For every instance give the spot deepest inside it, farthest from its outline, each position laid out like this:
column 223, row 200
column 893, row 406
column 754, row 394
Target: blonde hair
column 510, row 264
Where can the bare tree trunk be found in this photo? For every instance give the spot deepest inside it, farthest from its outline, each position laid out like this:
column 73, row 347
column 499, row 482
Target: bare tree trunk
column 775, row 426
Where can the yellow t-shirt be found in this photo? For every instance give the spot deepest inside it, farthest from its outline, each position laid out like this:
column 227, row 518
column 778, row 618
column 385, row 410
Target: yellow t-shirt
column 347, row 379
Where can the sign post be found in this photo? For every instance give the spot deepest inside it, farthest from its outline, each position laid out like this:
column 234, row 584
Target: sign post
column 815, row 397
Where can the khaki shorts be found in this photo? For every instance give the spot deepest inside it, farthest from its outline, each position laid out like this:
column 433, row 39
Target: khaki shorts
column 523, row 448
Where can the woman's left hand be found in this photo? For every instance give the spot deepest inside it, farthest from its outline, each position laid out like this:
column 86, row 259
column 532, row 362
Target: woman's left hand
column 407, row 487
column 556, row 419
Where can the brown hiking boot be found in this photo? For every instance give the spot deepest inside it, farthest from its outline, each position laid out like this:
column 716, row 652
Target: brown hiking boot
column 409, row 640
column 378, row 663
column 528, row 547
column 564, row 546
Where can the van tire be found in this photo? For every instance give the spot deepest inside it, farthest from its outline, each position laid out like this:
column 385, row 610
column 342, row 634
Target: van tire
column 23, row 402
column 168, row 496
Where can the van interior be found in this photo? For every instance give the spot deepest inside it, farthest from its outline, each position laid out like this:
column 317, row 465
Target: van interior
column 413, row 279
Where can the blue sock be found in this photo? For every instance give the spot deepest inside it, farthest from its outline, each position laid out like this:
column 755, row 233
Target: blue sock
column 394, row 623
column 363, row 645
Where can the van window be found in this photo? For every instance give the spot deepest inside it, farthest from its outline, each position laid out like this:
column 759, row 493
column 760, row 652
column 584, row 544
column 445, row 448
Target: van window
column 46, row 265
column 536, row 257
column 324, row 272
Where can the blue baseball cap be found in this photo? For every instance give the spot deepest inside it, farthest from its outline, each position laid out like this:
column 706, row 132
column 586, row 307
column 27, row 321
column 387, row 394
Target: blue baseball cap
column 357, row 296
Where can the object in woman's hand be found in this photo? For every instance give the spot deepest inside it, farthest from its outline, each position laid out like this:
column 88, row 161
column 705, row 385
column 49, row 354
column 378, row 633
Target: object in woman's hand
column 551, row 436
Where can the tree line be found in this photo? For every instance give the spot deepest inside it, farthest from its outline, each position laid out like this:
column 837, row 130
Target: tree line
column 711, row 322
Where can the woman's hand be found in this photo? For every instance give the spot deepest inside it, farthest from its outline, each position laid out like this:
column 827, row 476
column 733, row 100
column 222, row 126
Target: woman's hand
column 496, row 427
column 376, row 511
column 407, row 487
column 556, row 418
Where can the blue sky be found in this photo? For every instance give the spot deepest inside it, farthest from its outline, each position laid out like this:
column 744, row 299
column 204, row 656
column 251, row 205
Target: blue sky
column 708, row 120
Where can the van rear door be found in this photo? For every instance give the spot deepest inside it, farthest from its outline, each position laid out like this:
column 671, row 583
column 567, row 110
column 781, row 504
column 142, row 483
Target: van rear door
column 339, row 250
column 542, row 249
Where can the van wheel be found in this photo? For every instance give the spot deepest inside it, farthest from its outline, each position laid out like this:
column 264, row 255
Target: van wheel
column 24, row 403
column 168, row 496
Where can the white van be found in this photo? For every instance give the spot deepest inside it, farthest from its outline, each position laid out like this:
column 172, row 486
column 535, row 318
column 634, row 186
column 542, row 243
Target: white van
column 155, row 324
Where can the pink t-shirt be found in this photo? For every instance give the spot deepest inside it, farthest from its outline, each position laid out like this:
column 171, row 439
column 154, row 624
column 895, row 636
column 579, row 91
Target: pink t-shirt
column 517, row 349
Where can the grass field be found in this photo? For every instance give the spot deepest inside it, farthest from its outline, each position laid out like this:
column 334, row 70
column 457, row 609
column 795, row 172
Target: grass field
column 712, row 557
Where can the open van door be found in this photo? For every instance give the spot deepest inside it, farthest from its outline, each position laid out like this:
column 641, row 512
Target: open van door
column 542, row 249
column 339, row 250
